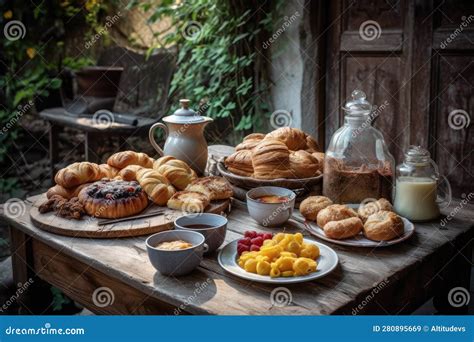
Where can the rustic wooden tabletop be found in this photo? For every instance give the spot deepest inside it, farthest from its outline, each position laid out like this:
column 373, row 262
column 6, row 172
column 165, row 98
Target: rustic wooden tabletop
column 393, row 280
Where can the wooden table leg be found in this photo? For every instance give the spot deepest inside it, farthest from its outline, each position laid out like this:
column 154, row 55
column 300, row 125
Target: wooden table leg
column 91, row 152
column 53, row 148
column 455, row 279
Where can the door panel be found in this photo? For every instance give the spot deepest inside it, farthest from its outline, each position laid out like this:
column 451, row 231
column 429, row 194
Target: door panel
column 418, row 56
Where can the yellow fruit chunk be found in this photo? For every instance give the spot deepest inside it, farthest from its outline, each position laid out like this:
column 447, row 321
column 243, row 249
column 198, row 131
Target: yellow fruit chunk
column 263, row 268
column 251, row 265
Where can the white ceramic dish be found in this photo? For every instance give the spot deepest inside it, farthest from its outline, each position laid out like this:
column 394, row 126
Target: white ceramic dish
column 327, row 262
column 270, row 214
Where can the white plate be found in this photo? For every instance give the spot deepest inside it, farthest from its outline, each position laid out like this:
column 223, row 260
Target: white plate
column 358, row 240
column 327, row 262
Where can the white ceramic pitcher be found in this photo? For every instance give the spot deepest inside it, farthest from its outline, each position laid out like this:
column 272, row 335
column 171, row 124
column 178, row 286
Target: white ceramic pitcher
column 184, row 134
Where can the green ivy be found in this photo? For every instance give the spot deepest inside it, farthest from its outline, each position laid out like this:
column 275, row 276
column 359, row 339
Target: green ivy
column 223, row 63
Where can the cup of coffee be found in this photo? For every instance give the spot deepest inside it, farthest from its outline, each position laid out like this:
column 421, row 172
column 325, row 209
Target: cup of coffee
column 212, row 226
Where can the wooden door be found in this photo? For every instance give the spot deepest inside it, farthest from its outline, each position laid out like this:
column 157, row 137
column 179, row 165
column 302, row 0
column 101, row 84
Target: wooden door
column 417, row 58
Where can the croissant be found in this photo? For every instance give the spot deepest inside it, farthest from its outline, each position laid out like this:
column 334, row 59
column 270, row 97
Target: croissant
column 176, row 171
column 271, row 159
column 240, row 163
column 250, row 141
column 77, row 174
column 125, row 158
column 129, row 173
column 63, row 192
column 155, row 185
column 304, row 165
column 293, row 138
column 108, row 171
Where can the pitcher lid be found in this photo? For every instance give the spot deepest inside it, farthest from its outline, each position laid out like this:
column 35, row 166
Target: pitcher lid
column 184, row 114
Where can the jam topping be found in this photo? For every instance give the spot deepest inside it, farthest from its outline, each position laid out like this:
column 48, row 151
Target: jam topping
column 114, row 189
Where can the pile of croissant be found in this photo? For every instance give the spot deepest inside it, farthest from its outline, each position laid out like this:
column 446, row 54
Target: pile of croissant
column 166, row 181
column 284, row 153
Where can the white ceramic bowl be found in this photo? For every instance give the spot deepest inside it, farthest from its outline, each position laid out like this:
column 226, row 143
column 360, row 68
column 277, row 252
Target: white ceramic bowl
column 270, row 214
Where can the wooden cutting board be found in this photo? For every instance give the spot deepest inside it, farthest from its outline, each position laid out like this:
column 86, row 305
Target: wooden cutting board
column 88, row 227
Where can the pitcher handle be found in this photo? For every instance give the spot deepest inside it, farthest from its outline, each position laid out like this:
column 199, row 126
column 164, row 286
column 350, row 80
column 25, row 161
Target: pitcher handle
column 151, row 136
column 444, row 201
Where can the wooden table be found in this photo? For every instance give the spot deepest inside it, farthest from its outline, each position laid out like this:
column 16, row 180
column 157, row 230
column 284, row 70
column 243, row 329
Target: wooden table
column 390, row 280
column 387, row 280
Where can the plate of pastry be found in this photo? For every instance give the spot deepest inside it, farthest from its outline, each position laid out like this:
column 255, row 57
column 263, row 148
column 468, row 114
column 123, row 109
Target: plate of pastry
column 132, row 194
column 286, row 157
column 372, row 224
column 277, row 259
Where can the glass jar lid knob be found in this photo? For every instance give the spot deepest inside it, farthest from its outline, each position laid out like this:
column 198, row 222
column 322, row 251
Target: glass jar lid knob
column 417, row 154
column 358, row 104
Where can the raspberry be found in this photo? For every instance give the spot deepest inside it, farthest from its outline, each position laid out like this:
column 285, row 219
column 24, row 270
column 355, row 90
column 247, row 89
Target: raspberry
column 245, row 241
column 257, row 241
column 242, row 248
column 250, row 233
column 267, row 236
column 254, row 248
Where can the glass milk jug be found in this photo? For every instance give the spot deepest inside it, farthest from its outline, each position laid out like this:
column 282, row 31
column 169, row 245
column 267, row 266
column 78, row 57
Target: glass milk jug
column 358, row 166
column 416, row 190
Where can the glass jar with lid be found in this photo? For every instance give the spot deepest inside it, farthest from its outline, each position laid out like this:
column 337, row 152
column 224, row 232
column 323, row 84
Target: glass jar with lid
column 416, row 190
column 358, row 166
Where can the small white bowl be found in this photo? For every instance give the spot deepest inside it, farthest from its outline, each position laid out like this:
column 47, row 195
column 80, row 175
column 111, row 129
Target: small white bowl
column 270, row 214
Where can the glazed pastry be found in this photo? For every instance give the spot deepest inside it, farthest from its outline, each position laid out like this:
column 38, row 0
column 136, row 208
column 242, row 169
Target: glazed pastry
column 125, row 158
column 77, row 174
column 157, row 187
column 129, row 173
column 311, row 144
column 367, row 209
column 311, row 206
column 304, row 165
column 334, row 212
column 271, row 160
column 293, row 138
column 343, row 229
column 250, row 141
column 240, row 163
column 320, row 157
column 108, row 171
column 176, row 171
column 383, row 226
column 216, row 188
column 63, row 192
column 189, row 201
column 113, row 198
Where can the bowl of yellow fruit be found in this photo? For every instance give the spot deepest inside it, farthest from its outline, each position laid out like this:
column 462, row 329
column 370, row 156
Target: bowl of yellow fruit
column 278, row 259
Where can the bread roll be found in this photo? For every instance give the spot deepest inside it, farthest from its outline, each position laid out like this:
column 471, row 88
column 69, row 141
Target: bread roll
column 189, row 201
column 304, row 165
column 250, row 141
column 125, row 158
column 240, row 163
column 129, row 173
column 176, row 171
column 271, row 160
column 334, row 212
column 216, row 188
column 63, row 192
column 312, row 205
column 155, row 185
column 293, row 138
column 77, row 174
column 108, row 171
column 383, row 226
